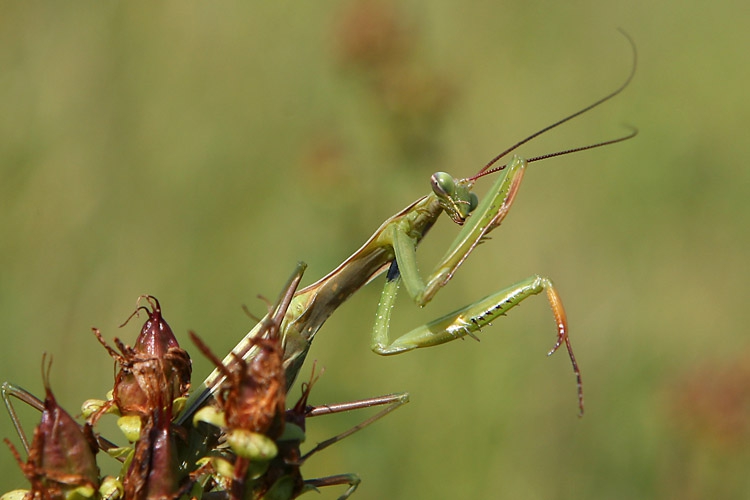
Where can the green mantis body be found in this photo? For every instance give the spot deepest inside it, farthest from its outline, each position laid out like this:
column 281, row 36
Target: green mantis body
column 393, row 247
column 394, row 242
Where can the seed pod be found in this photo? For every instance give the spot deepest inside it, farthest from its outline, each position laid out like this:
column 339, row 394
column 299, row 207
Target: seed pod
column 251, row 399
column 153, row 473
column 61, row 459
column 283, row 477
column 156, row 369
column 253, row 395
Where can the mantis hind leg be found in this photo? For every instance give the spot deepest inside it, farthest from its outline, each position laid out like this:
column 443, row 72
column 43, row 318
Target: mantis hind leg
column 469, row 320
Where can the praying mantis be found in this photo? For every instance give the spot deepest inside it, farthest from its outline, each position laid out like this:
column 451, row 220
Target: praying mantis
column 392, row 248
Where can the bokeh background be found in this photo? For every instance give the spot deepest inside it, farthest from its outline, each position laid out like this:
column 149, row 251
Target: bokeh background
column 196, row 152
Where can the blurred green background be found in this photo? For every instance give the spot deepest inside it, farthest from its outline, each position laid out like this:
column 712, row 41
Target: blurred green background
column 196, row 152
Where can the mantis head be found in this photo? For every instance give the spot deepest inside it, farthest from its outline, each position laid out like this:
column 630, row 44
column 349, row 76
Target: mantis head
column 454, row 196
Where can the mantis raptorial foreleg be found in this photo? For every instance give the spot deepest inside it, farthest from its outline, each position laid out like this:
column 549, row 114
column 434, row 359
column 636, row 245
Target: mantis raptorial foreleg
column 471, row 318
column 484, row 218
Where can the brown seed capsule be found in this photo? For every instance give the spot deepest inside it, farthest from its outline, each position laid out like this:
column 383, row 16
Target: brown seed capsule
column 61, row 457
column 284, row 472
column 253, row 395
column 156, row 369
column 248, row 405
column 153, row 473
column 252, row 399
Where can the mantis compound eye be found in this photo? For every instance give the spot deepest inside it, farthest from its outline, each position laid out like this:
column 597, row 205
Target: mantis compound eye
column 443, row 185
